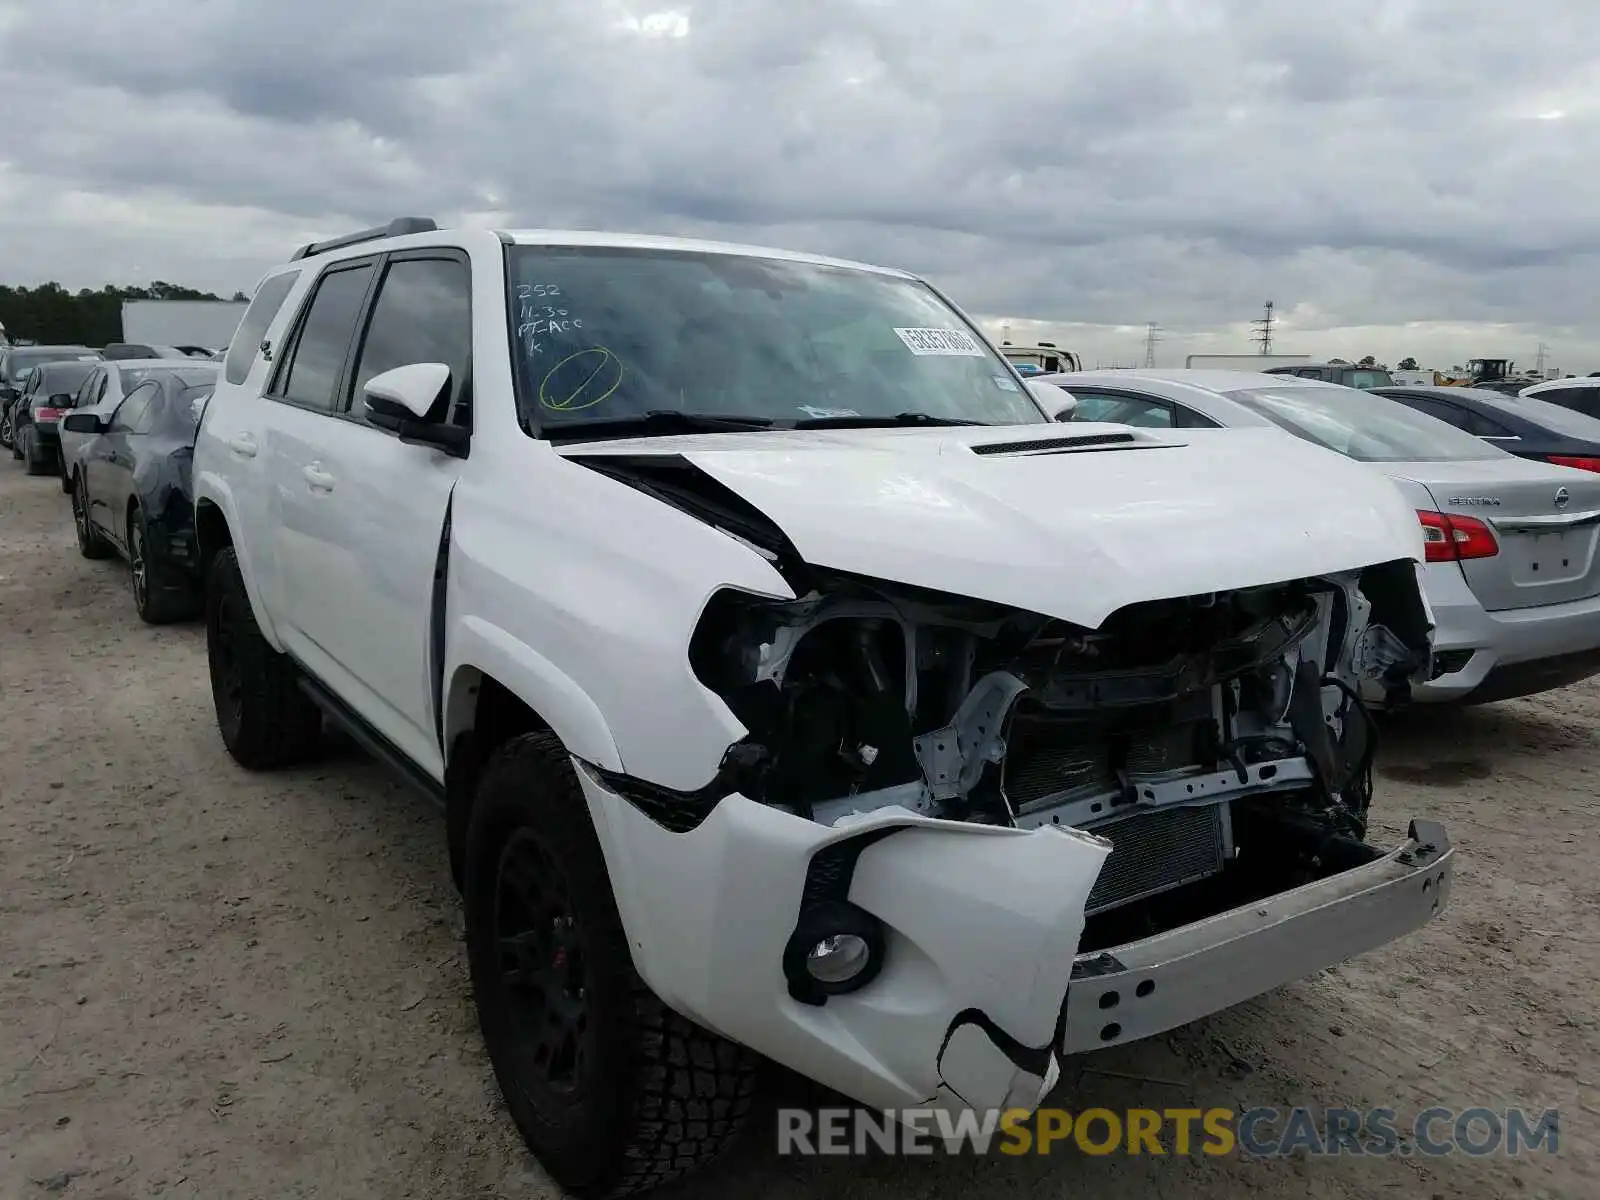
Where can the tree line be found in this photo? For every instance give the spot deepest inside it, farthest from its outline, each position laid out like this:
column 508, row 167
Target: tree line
column 51, row 315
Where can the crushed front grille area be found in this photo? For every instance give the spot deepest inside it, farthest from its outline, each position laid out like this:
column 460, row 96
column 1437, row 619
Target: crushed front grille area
column 1154, row 852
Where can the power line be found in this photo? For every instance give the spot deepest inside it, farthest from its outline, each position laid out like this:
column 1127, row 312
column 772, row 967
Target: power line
column 1152, row 335
column 1263, row 337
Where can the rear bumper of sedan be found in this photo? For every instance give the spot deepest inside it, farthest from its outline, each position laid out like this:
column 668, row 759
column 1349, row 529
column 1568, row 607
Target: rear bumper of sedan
column 1483, row 656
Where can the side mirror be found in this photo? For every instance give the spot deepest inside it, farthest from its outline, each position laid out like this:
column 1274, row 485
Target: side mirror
column 1056, row 401
column 403, row 400
column 61, row 399
column 83, row 422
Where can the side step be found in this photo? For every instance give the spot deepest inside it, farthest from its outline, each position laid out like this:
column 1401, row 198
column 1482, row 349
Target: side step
column 373, row 742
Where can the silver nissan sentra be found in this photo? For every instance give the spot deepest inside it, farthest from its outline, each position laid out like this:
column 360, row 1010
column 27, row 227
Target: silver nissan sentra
column 1512, row 573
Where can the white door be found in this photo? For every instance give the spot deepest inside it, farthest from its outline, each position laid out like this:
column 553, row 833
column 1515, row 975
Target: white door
column 362, row 513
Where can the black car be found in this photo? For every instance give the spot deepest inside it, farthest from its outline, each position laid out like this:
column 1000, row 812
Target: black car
column 1347, row 374
column 1524, row 425
column 49, row 393
column 133, row 493
column 15, row 364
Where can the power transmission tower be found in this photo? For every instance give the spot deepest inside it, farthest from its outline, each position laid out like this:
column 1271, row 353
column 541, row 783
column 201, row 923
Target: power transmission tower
column 1263, row 336
column 1152, row 335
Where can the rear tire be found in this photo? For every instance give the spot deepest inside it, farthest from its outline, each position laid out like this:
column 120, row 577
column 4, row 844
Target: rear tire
column 613, row 1092
column 265, row 719
column 90, row 543
column 36, row 464
column 160, row 595
column 5, row 433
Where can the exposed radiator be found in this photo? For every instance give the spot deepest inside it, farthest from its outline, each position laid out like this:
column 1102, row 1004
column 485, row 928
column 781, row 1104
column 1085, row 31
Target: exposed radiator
column 1154, row 852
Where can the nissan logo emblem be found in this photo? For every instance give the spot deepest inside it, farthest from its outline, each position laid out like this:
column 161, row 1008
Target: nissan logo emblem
column 1562, row 497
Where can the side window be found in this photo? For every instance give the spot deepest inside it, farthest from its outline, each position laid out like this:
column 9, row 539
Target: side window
column 423, row 313
column 85, row 396
column 100, row 386
column 246, row 342
column 1578, row 399
column 1189, row 419
column 1481, row 426
column 132, row 412
column 1440, row 410
column 322, row 341
column 1144, row 412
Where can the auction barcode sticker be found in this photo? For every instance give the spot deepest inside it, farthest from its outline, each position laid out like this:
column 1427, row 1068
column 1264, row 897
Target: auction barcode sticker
column 940, row 341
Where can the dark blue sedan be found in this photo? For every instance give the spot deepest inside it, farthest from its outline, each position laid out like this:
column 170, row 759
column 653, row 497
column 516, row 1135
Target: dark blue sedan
column 1523, row 425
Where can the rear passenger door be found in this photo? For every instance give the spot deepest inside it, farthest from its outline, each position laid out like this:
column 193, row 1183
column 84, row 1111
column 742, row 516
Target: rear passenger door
column 369, row 519
column 298, row 418
column 108, row 462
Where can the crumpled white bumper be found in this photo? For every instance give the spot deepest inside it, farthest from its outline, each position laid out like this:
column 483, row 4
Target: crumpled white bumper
column 983, row 985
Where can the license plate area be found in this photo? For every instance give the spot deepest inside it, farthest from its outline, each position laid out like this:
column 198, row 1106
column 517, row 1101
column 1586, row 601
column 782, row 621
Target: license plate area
column 1559, row 556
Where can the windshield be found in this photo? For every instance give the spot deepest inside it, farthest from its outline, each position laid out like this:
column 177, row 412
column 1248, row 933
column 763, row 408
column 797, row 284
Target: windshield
column 63, row 377
column 606, row 334
column 189, row 375
column 1362, row 377
column 1363, row 426
column 23, row 361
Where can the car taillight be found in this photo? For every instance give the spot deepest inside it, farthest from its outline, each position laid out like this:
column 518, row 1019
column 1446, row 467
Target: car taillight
column 49, row 414
column 1447, row 538
column 1583, row 464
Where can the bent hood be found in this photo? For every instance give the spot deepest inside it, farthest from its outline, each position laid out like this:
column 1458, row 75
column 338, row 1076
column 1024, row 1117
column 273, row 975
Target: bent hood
column 1070, row 521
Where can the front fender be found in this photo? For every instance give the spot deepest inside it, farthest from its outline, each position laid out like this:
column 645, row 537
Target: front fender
column 475, row 645
column 209, row 488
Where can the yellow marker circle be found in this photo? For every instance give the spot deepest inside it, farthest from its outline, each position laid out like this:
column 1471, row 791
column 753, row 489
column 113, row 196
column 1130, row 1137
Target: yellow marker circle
column 592, row 381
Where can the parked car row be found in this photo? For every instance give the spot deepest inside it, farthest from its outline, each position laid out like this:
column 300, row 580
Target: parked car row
column 1506, row 491
column 118, row 431
column 799, row 681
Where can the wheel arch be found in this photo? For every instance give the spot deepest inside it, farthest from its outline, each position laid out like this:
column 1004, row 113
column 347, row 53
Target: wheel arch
column 214, row 526
column 498, row 689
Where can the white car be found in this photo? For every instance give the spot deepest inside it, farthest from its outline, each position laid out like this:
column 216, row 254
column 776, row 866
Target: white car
column 1512, row 573
column 793, row 684
column 1580, row 394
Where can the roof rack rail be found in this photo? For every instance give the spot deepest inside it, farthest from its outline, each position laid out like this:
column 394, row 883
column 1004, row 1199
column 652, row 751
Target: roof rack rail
column 395, row 228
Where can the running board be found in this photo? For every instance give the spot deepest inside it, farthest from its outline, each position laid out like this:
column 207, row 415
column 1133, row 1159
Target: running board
column 370, row 740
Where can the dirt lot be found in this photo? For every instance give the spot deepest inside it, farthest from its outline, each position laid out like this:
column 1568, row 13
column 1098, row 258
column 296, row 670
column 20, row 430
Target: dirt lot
column 213, row 984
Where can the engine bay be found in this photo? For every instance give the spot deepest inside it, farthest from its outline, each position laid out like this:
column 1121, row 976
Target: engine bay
column 1163, row 730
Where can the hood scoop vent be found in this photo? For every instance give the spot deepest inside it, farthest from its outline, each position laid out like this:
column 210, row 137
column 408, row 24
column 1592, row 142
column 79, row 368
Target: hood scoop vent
column 1084, row 441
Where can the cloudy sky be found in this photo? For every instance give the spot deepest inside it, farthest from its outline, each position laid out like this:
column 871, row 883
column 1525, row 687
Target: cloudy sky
column 1410, row 177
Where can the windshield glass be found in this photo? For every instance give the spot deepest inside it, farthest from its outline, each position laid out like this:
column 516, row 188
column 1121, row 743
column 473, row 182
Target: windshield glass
column 25, row 360
column 189, row 375
column 63, row 377
column 605, row 334
column 1365, row 378
column 1363, row 426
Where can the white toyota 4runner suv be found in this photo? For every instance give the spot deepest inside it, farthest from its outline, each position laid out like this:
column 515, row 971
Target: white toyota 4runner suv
column 794, row 685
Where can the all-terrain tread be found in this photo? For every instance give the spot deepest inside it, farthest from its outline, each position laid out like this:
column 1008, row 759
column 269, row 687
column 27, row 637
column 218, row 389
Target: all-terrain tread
column 683, row 1093
column 279, row 725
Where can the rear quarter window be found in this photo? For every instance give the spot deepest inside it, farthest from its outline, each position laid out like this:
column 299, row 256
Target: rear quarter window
column 263, row 308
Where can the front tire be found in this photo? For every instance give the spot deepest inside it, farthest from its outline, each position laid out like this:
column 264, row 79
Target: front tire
column 265, row 719
column 613, row 1092
column 90, row 543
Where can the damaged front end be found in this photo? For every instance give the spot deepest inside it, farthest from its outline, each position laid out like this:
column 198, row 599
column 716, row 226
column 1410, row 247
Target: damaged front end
column 1151, row 730
column 1029, row 838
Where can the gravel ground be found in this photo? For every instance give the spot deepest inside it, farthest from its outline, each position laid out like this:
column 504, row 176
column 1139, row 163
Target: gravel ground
column 216, row 984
